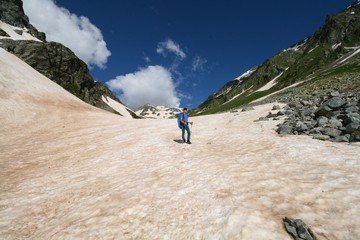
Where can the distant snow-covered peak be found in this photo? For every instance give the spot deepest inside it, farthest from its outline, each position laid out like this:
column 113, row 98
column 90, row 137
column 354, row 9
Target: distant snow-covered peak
column 157, row 112
column 16, row 33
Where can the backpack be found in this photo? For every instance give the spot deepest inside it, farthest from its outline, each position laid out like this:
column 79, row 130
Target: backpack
column 180, row 115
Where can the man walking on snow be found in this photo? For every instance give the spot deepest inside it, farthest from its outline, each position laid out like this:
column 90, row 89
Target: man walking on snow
column 184, row 125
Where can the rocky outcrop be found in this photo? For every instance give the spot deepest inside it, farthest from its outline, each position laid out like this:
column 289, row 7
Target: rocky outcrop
column 61, row 65
column 335, row 117
column 12, row 12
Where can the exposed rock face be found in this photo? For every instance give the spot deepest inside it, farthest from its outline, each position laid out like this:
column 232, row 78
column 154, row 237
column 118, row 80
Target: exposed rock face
column 12, row 12
column 61, row 65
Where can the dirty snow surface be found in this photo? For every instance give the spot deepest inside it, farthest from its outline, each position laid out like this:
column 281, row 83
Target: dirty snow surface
column 70, row 171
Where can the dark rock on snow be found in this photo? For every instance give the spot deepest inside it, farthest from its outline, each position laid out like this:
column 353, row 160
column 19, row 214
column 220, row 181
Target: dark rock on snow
column 298, row 229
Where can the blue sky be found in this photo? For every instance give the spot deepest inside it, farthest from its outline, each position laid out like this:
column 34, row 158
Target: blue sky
column 176, row 53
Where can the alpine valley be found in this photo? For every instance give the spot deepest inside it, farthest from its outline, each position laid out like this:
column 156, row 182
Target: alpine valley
column 274, row 153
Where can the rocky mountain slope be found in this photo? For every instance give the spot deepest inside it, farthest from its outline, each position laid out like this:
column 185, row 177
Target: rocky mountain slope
column 12, row 12
column 52, row 59
column 329, row 60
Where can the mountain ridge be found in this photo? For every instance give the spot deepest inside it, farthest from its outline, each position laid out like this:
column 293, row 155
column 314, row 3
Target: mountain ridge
column 333, row 47
column 52, row 59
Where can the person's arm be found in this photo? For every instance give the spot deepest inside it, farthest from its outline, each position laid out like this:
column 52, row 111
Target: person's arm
column 182, row 120
column 188, row 122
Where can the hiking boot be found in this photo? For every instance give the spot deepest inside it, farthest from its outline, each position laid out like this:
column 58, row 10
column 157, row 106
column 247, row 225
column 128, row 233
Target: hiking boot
column 184, row 141
column 188, row 142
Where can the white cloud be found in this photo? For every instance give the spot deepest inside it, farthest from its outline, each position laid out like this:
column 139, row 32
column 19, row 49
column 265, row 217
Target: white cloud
column 153, row 85
column 198, row 63
column 76, row 33
column 170, row 46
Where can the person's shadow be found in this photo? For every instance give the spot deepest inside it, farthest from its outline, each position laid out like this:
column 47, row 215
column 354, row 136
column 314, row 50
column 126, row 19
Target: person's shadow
column 178, row 140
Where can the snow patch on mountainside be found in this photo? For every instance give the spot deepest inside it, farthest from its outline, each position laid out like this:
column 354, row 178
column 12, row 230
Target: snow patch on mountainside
column 350, row 56
column 335, row 46
column 224, row 92
column 271, row 83
column 14, row 32
column 297, row 46
column 237, row 95
column 118, row 107
column 246, row 74
column 281, row 90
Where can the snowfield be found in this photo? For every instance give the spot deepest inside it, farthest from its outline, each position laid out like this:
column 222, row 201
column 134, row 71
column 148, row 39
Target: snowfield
column 71, row 171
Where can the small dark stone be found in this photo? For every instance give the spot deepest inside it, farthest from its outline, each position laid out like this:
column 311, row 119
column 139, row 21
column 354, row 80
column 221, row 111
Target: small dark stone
column 280, row 113
column 324, row 111
column 262, row 119
column 284, row 129
column 332, row 132
column 355, row 136
column 335, row 102
column 271, row 115
column 276, row 107
column 298, row 229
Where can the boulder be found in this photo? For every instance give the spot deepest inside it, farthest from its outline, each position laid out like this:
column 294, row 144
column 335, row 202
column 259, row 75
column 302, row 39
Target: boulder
column 355, row 136
column 284, row 129
column 335, row 103
column 298, row 229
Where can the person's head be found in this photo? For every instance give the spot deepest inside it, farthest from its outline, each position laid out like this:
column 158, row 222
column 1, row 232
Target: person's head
column 185, row 110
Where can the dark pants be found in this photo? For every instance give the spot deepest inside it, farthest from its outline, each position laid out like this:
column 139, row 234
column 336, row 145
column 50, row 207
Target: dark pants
column 185, row 127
